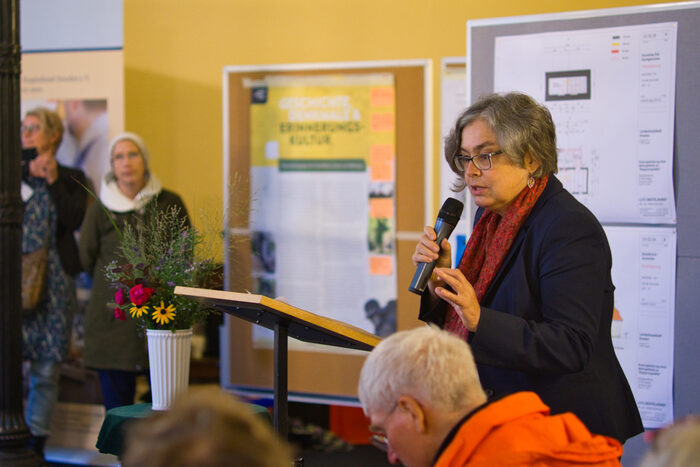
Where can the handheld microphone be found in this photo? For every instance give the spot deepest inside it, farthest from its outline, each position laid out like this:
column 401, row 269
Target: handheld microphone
column 445, row 223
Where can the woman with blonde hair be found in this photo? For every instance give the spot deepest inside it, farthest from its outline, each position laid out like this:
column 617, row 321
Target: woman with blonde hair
column 54, row 206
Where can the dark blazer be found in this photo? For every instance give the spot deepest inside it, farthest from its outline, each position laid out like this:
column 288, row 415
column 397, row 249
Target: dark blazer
column 70, row 200
column 546, row 319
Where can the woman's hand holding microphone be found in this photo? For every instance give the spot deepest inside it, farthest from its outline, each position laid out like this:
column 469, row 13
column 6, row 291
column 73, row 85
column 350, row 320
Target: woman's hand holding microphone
column 446, row 283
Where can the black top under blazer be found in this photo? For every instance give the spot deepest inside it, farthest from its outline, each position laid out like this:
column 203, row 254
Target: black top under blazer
column 546, row 318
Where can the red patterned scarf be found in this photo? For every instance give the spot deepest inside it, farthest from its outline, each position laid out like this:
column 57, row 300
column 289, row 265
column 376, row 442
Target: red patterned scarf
column 488, row 246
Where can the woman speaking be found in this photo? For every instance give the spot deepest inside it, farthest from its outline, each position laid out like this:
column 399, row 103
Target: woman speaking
column 532, row 294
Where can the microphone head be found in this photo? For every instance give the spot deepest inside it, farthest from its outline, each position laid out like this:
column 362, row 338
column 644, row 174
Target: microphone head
column 451, row 211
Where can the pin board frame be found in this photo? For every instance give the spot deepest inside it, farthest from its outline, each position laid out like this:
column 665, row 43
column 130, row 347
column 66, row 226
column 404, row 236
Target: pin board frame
column 319, row 376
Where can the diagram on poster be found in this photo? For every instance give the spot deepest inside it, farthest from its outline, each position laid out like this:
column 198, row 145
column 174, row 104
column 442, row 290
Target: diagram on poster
column 644, row 266
column 611, row 93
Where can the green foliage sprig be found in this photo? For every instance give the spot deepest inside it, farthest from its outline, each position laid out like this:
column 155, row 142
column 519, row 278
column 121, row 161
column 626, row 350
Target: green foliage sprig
column 162, row 250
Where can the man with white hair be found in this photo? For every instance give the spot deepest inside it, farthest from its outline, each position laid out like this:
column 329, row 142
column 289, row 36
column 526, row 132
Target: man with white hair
column 421, row 391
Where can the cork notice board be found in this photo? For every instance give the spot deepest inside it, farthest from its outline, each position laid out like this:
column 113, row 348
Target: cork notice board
column 319, row 376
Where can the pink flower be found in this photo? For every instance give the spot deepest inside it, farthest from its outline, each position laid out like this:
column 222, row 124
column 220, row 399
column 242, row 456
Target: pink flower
column 120, row 297
column 119, row 314
column 139, row 294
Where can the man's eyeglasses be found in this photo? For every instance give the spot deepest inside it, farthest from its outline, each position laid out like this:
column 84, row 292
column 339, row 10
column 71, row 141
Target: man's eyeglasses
column 380, row 442
column 29, row 128
column 480, row 161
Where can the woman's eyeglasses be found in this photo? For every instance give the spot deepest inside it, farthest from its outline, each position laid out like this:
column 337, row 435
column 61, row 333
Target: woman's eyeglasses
column 480, row 161
column 29, row 128
column 125, row 155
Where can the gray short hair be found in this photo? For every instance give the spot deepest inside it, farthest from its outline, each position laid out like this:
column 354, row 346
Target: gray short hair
column 429, row 364
column 521, row 126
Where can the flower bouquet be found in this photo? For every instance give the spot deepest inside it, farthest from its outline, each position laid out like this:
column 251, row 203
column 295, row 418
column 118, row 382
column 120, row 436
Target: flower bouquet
column 160, row 252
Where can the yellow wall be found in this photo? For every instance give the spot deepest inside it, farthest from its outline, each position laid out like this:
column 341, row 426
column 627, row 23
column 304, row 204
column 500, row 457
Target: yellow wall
column 175, row 50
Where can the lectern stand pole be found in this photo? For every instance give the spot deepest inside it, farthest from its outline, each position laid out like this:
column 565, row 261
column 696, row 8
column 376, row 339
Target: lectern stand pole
column 280, row 390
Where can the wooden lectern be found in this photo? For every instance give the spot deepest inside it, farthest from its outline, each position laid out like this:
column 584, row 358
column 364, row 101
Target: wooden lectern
column 286, row 321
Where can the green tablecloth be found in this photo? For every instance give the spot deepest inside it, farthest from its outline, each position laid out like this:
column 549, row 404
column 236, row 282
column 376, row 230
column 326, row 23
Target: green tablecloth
column 116, row 422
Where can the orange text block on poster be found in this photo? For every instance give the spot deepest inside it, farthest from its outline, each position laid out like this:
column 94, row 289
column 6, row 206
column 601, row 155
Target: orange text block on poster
column 381, row 160
column 380, row 265
column 381, row 150
column 381, row 122
column 381, row 208
column 381, row 97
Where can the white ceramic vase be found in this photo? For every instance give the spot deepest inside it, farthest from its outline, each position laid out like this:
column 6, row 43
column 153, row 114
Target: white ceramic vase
column 169, row 362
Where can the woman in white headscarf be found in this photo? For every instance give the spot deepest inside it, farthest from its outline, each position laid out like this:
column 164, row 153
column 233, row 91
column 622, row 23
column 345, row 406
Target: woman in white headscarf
column 113, row 347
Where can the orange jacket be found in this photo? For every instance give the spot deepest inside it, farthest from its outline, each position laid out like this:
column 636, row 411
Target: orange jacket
column 518, row 430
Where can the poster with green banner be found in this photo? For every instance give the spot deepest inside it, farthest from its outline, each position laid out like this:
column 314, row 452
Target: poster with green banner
column 323, row 177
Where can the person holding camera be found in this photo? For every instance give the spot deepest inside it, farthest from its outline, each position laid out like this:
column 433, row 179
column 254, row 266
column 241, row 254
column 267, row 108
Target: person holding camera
column 54, row 206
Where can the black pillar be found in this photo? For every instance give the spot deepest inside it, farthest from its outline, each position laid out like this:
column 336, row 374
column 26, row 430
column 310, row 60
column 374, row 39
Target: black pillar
column 13, row 431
